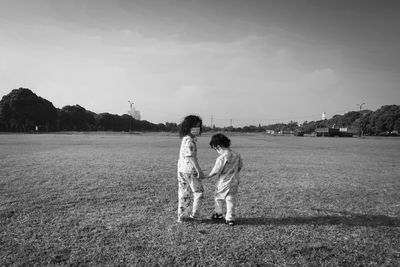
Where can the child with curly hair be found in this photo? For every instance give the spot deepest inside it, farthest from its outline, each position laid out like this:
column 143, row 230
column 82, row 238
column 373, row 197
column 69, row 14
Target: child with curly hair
column 189, row 171
column 226, row 168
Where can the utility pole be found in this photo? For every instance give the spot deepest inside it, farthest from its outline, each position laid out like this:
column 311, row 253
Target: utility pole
column 130, row 119
column 212, row 122
column 360, row 105
column 361, row 131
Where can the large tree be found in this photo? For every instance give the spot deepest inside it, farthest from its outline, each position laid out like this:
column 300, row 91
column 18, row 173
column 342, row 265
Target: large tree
column 76, row 118
column 22, row 110
column 385, row 119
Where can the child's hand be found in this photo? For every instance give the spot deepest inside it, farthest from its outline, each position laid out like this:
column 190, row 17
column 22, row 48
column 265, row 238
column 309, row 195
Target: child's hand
column 200, row 176
column 208, row 176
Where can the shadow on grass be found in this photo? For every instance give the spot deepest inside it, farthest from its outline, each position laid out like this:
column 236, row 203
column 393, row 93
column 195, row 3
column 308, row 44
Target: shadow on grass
column 348, row 219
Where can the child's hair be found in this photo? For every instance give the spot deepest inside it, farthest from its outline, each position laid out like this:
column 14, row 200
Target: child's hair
column 220, row 140
column 188, row 123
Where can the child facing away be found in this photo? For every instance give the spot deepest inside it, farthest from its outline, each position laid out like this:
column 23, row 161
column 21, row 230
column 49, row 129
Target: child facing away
column 189, row 171
column 226, row 168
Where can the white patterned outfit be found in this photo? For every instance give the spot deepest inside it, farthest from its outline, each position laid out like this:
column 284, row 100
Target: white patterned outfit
column 227, row 168
column 187, row 179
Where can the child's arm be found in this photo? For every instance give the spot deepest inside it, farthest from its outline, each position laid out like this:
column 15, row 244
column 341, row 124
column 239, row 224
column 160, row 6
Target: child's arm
column 210, row 175
column 216, row 169
column 240, row 163
column 190, row 154
column 195, row 163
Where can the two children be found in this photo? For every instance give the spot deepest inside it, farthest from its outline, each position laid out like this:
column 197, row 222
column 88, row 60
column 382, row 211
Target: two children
column 226, row 168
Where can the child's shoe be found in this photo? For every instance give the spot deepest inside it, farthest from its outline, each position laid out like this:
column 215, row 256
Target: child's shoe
column 230, row 223
column 194, row 217
column 217, row 216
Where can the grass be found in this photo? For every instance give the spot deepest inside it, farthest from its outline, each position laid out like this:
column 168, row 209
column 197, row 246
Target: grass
column 111, row 199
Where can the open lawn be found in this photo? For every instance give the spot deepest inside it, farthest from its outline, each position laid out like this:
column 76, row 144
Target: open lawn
column 111, row 199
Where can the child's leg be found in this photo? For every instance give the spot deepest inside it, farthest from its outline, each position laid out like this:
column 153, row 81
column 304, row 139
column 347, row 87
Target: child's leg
column 219, row 205
column 198, row 189
column 197, row 201
column 183, row 196
column 230, row 207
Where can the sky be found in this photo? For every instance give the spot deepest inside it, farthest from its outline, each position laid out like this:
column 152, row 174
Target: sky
column 239, row 62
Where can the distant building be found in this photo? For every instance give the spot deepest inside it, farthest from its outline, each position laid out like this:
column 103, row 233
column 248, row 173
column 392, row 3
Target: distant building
column 348, row 130
column 327, row 131
column 286, row 132
column 134, row 113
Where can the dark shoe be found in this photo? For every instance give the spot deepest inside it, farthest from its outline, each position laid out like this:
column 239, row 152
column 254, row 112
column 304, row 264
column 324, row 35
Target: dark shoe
column 182, row 219
column 230, row 223
column 217, row 216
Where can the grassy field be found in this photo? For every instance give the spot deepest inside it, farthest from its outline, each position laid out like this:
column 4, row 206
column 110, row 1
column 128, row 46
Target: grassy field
column 111, row 199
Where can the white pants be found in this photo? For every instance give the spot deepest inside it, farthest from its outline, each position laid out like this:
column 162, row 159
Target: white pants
column 230, row 201
column 188, row 183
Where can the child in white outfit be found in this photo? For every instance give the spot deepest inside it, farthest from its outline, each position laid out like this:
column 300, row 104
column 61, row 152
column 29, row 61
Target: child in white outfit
column 226, row 168
column 189, row 171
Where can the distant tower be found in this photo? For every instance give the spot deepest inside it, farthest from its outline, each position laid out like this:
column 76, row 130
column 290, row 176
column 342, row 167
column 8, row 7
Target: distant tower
column 323, row 116
column 133, row 112
column 360, row 105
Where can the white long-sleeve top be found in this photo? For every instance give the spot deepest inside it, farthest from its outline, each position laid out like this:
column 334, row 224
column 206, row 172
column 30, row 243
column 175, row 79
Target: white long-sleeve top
column 227, row 168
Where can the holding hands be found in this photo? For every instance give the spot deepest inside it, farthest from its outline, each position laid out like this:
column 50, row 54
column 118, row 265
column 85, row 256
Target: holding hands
column 200, row 175
column 204, row 176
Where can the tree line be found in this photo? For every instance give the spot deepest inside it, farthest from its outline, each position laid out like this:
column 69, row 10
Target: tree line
column 23, row 111
column 382, row 122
